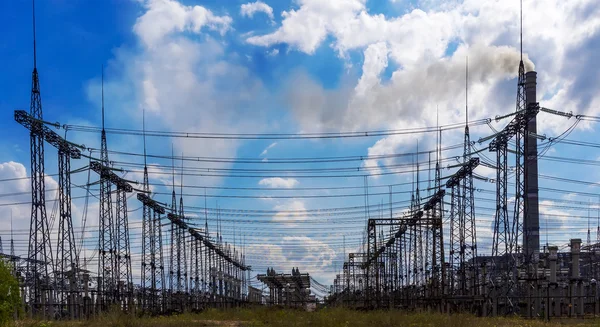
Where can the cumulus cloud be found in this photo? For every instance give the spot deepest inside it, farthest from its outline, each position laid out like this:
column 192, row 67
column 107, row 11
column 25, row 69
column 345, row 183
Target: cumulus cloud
column 184, row 82
column 428, row 71
column 250, row 8
column 415, row 62
column 308, row 254
column 411, row 95
column 163, row 17
column 186, row 79
column 278, row 182
column 308, row 26
column 376, row 60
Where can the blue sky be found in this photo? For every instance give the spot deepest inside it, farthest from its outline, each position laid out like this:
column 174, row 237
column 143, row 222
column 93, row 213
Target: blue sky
column 291, row 67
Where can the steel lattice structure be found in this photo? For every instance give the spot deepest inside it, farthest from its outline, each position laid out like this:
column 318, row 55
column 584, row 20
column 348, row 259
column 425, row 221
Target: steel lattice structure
column 67, row 262
column 462, row 227
column 468, row 221
column 174, row 257
column 159, row 262
column 153, row 291
column 39, row 254
column 467, row 214
column 66, row 265
column 106, row 240
column 123, row 274
column 520, row 177
column 456, row 236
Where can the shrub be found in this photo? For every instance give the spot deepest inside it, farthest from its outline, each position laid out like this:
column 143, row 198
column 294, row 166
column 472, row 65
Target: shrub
column 10, row 300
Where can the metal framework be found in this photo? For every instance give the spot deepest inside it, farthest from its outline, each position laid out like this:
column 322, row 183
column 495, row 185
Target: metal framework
column 114, row 259
column 66, row 265
column 67, row 262
column 123, row 274
column 462, row 230
column 153, row 277
column 39, row 252
column 106, row 241
column 290, row 290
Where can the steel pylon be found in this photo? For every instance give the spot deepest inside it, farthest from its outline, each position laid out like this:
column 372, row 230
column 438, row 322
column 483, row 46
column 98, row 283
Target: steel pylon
column 39, row 254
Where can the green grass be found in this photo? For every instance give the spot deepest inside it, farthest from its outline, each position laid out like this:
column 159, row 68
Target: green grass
column 263, row 316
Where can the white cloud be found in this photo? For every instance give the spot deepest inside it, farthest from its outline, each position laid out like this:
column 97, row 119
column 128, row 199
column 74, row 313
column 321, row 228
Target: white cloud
column 163, row 17
column 427, row 74
column 308, row 26
column 15, row 170
column 278, row 182
column 250, row 8
column 402, row 100
column 21, row 213
column 418, row 44
column 376, row 60
column 290, row 213
column 390, row 145
column 184, row 82
column 308, row 254
column 273, row 53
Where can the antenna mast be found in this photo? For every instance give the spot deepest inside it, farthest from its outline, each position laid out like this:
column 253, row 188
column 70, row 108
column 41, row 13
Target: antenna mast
column 467, row 94
column 34, row 38
column 521, row 40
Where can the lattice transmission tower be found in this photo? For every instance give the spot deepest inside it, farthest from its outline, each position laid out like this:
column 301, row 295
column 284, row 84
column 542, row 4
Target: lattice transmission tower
column 39, row 254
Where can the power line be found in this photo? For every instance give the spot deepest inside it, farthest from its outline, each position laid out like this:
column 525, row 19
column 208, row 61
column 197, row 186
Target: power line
column 271, row 136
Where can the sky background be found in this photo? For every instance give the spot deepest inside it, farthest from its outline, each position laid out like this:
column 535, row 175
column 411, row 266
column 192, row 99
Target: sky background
column 299, row 66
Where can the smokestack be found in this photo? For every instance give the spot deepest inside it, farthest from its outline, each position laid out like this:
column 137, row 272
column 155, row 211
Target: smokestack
column 531, row 222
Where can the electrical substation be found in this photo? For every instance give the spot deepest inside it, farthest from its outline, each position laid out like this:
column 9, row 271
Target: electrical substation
column 424, row 253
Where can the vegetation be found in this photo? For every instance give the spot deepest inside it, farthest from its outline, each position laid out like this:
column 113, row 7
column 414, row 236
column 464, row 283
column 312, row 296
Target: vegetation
column 10, row 300
column 289, row 318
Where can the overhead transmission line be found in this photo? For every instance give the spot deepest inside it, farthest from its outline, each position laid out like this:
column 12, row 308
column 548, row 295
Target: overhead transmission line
column 272, row 136
column 295, row 160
